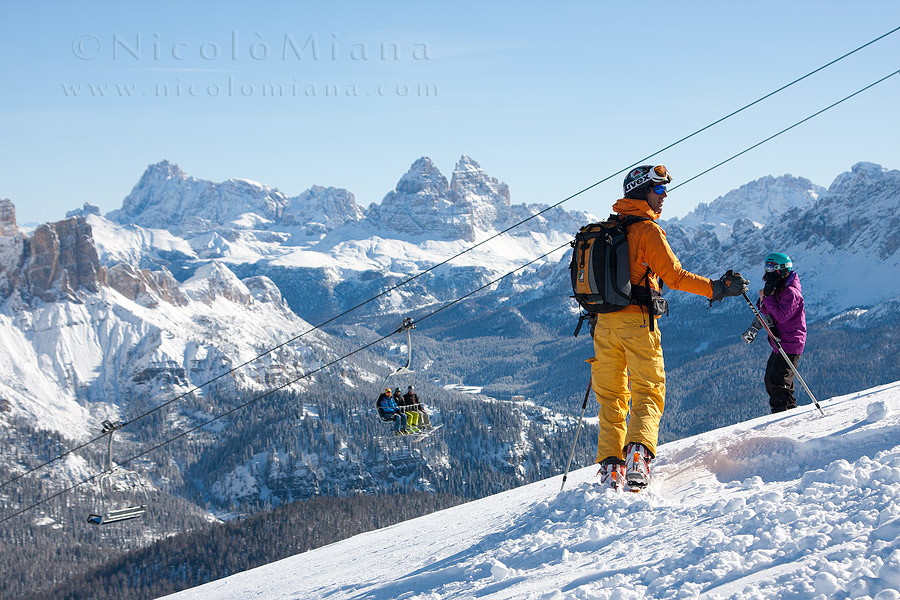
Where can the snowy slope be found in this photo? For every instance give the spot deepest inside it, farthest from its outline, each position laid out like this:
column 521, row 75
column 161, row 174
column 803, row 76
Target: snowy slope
column 793, row 505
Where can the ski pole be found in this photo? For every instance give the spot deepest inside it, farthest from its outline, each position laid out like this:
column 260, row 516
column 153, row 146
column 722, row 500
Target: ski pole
column 577, row 431
column 780, row 349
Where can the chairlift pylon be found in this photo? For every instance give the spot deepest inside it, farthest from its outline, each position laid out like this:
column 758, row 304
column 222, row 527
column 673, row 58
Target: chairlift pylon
column 123, row 493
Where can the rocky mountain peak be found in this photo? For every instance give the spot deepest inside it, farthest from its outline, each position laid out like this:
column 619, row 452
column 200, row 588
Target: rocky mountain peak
column 470, row 181
column 858, row 213
column 8, row 226
column 759, row 201
column 423, row 203
column 319, row 210
column 163, row 171
column 85, row 210
column 418, row 204
column 479, row 194
column 165, row 197
column 60, row 258
column 423, row 179
column 864, row 179
column 214, row 279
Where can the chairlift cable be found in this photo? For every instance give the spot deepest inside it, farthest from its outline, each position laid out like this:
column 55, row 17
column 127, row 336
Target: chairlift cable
column 411, row 322
column 468, row 249
column 786, row 129
column 276, row 389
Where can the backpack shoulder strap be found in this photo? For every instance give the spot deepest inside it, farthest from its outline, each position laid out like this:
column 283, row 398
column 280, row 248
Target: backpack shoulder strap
column 627, row 220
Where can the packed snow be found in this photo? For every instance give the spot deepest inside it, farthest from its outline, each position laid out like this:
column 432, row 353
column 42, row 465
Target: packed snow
column 792, row 505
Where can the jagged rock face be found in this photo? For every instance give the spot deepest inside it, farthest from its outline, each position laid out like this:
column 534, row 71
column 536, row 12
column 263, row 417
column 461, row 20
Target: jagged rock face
column 482, row 197
column 858, row 213
column 11, row 248
column 423, row 203
column 418, row 205
column 319, row 210
column 61, row 258
column 8, row 227
column 758, row 201
column 144, row 286
column 166, row 198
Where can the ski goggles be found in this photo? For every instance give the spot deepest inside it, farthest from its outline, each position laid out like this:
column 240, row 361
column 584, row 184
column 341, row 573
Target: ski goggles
column 659, row 190
column 771, row 267
column 659, row 173
column 656, row 175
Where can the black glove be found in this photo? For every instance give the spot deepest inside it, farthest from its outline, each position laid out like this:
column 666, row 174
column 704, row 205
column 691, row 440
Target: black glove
column 729, row 284
column 750, row 335
column 771, row 323
column 773, row 281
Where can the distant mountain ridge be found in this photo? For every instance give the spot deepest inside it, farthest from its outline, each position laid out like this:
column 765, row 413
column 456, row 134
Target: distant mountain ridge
column 841, row 245
column 759, row 201
column 422, row 203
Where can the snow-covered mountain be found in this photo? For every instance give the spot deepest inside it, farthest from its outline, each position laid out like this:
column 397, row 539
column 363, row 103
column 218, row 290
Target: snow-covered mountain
column 844, row 246
column 237, row 218
column 79, row 334
column 793, row 505
column 167, row 198
column 122, row 260
column 107, row 316
column 323, row 239
column 759, row 201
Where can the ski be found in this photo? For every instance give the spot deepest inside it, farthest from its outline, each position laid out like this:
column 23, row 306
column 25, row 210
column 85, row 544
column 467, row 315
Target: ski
column 421, row 435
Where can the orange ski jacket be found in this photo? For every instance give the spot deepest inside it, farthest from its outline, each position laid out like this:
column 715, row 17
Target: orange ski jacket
column 648, row 247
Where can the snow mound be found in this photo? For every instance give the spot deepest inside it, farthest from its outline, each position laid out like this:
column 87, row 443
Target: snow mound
column 793, row 505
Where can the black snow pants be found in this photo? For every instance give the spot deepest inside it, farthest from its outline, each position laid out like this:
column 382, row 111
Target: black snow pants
column 780, row 382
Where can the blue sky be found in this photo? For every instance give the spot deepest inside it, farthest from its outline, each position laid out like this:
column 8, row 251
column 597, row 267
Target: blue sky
column 546, row 97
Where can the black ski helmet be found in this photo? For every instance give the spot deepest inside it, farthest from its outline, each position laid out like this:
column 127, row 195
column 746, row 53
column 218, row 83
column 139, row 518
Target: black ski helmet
column 639, row 180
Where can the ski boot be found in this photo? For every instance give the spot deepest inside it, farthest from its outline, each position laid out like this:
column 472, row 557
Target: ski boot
column 612, row 473
column 637, row 467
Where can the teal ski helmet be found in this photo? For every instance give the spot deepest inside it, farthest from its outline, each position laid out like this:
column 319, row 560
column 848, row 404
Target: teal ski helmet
column 778, row 262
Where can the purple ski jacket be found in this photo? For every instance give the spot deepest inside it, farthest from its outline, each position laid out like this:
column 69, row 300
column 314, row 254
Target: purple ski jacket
column 785, row 306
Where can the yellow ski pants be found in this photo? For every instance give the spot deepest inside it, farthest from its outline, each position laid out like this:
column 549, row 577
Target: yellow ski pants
column 626, row 351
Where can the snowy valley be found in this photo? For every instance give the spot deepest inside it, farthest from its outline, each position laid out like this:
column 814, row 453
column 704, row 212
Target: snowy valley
column 156, row 313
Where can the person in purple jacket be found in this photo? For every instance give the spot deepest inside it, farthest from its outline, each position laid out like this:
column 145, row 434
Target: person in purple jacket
column 781, row 303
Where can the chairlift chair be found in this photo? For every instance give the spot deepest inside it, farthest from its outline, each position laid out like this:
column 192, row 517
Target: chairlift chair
column 124, row 494
column 408, row 326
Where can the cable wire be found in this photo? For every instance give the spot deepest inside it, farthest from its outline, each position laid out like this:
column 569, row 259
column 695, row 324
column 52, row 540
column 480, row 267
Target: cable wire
column 455, row 256
column 278, row 388
column 429, row 315
column 786, row 129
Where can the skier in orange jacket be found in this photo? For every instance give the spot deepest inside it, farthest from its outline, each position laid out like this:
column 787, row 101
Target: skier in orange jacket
column 627, row 347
